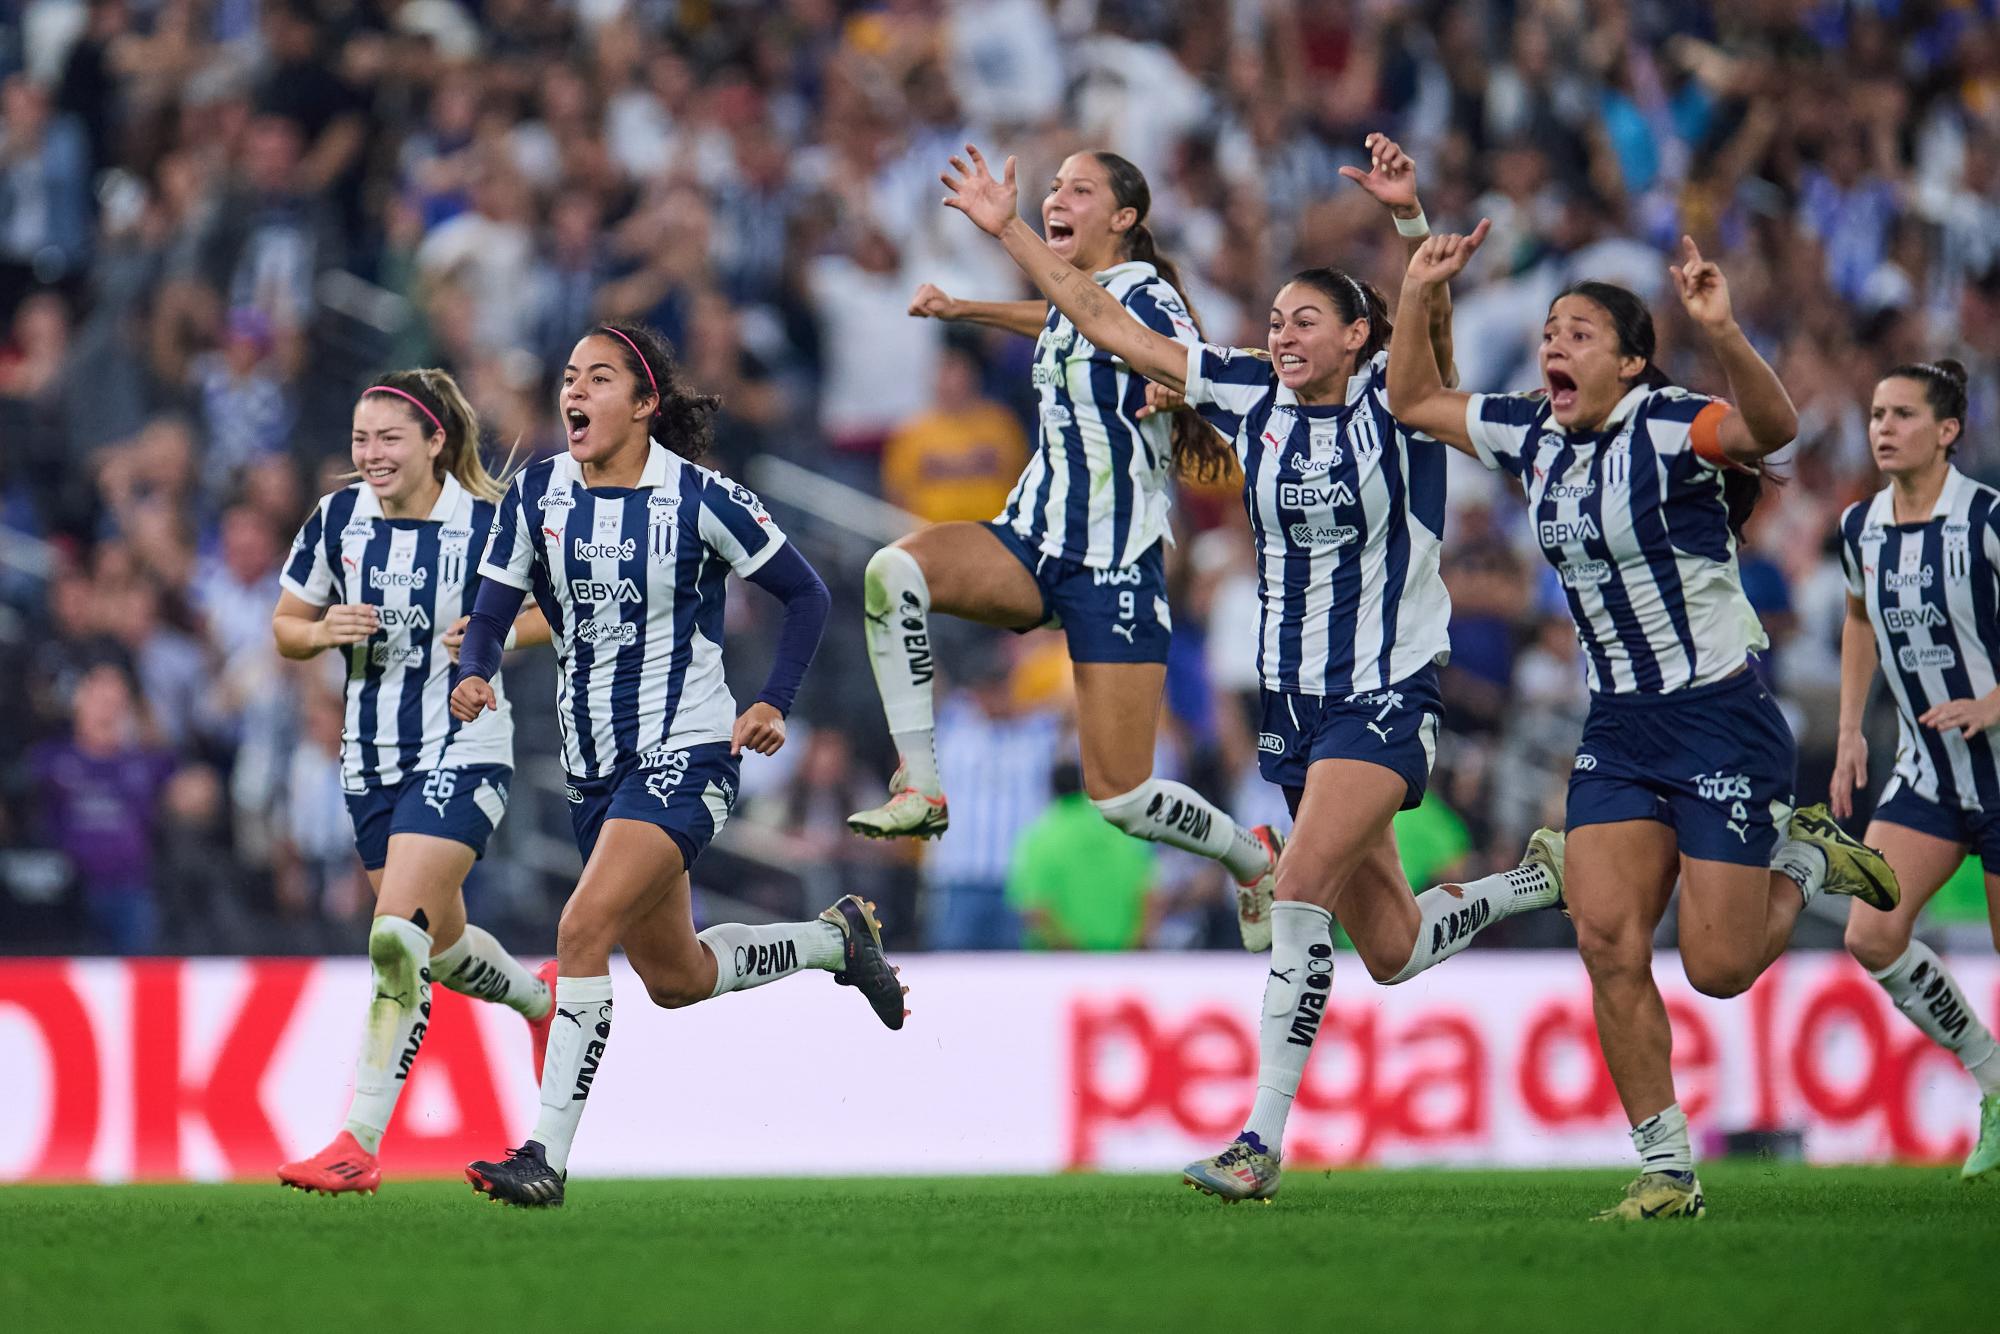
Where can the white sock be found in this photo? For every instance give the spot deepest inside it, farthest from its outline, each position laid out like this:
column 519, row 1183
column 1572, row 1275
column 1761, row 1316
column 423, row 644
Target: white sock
column 577, row 1039
column 398, row 1016
column 1662, row 1142
column 1803, row 863
column 1451, row 915
column 477, row 965
column 750, row 956
column 1175, row 814
column 896, row 612
column 1925, row 990
column 1295, row 998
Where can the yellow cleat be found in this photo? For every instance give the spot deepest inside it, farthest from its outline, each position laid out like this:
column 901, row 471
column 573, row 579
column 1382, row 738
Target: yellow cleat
column 1657, row 1195
column 1852, row 867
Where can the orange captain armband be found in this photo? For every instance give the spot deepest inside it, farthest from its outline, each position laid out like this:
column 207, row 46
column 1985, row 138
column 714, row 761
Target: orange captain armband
column 1705, row 434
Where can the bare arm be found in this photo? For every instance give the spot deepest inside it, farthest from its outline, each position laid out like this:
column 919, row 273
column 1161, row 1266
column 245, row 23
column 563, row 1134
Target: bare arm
column 1417, row 394
column 1391, row 179
column 303, row 630
column 1024, row 317
column 1764, row 420
column 1859, row 658
column 1096, row 314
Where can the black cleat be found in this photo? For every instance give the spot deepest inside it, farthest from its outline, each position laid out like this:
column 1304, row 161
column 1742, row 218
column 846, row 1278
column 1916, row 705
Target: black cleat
column 525, row 1178
column 867, row 968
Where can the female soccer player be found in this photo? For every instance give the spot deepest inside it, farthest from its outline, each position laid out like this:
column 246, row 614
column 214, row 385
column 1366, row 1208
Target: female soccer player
column 1923, row 592
column 1347, row 506
column 381, row 570
column 626, row 542
column 1079, row 542
column 1685, row 767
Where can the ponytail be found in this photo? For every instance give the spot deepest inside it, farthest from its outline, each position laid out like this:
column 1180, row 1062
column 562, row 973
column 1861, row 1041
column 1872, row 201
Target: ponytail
column 1200, row 454
column 444, row 407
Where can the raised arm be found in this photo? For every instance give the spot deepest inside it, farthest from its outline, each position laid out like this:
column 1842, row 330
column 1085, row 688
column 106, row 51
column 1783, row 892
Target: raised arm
column 1391, row 179
column 1764, row 419
column 1417, row 394
column 1024, row 317
column 992, row 204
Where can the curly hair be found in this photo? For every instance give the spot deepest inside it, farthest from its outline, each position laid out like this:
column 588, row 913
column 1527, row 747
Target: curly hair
column 684, row 420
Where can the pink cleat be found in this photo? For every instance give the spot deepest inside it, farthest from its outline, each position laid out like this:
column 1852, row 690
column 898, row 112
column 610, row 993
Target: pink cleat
column 341, row 1168
column 538, row 1029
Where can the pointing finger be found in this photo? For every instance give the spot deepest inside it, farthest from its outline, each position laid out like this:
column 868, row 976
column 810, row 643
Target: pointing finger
column 1693, row 250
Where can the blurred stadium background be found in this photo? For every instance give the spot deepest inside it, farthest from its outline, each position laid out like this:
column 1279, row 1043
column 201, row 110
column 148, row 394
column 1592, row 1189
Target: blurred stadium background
column 218, row 217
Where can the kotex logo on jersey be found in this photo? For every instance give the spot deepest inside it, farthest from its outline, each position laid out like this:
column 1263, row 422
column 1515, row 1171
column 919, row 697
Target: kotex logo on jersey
column 1897, row 581
column 625, row 550
column 1314, row 495
column 380, row 578
column 1901, row 619
column 604, row 590
column 1569, row 490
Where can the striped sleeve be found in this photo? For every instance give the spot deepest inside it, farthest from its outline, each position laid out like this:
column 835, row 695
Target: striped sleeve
column 510, row 547
column 1850, row 549
column 1501, row 425
column 1680, row 421
column 1159, row 307
column 737, row 526
column 308, row 574
column 1225, row 384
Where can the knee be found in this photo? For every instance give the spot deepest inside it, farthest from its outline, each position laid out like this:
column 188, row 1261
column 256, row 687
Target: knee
column 1875, row 944
column 674, row 992
column 1720, row 978
column 1612, row 951
column 1128, row 810
column 889, row 569
column 583, row 936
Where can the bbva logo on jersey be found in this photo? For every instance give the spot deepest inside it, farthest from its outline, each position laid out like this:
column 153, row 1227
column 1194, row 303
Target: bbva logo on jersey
column 1912, row 618
column 403, row 618
column 603, row 590
column 1555, row 532
column 1311, row 495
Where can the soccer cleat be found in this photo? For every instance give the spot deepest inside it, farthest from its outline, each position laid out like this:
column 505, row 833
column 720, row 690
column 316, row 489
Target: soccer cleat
column 907, row 813
column 524, row 1177
column 1253, row 901
column 1243, row 1171
column 538, row 1029
column 1545, row 849
column 341, row 1168
column 1984, row 1159
column 866, row 967
column 1852, row 867
column 1657, row 1195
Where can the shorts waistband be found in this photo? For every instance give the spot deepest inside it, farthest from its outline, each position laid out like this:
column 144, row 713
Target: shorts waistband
column 1744, row 679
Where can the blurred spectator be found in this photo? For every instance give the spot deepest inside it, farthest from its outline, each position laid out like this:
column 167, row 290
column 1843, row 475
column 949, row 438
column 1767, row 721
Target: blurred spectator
column 1076, row 881
column 961, row 458
column 44, row 191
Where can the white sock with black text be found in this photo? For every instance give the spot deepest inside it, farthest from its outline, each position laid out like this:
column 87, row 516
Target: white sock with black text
column 750, row 956
column 577, row 1039
column 1925, row 990
column 1162, row 811
column 479, row 966
column 896, row 610
column 399, row 1014
column 1451, row 915
column 1802, row 863
column 1295, row 998
column 1662, row 1142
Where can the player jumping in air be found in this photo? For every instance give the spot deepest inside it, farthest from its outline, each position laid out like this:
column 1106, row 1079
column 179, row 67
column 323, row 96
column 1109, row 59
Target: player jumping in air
column 1078, row 541
column 381, row 571
column 1923, row 602
column 1347, row 506
column 1637, row 490
column 626, row 542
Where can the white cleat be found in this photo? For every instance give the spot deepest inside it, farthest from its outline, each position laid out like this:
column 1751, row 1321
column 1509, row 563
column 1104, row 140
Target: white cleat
column 1253, row 901
column 1243, row 1171
column 908, row 813
column 1545, row 849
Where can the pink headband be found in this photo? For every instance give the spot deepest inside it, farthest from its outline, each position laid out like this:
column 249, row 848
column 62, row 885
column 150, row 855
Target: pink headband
column 642, row 359
column 400, row 393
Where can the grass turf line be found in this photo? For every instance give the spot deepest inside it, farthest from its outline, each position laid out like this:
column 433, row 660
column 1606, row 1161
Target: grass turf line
column 1784, row 1247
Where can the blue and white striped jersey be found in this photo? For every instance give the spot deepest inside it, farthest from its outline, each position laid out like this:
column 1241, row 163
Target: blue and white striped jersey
column 1633, row 519
column 1933, row 595
column 1095, row 491
column 421, row 575
column 1347, row 506
column 631, row 580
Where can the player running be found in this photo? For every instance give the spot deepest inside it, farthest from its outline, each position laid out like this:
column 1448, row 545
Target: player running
column 626, row 542
column 1347, row 507
column 382, row 570
column 1923, row 592
column 1078, row 544
column 1637, row 490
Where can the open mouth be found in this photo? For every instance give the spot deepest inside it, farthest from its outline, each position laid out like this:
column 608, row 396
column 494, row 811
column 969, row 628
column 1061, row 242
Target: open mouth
column 1291, row 362
column 1562, row 390
column 578, row 422
column 1060, row 230
column 379, row 475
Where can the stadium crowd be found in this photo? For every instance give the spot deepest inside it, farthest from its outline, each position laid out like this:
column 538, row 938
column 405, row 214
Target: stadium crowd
column 217, row 217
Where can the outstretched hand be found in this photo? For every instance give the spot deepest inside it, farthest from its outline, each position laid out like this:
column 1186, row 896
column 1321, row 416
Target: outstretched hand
column 1391, row 176
column 1444, row 255
column 931, row 302
column 1703, row 289
column 989, row 203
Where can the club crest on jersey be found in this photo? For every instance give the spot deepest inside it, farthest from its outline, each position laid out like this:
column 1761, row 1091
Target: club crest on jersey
column 1618, row 463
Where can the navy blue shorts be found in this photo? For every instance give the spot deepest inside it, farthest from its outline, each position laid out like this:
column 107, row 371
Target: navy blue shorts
column 688, row 793
column 1108, row 615
column 1977, row 830
column 464, row 805
column 1716, row 763
column 1395, row 728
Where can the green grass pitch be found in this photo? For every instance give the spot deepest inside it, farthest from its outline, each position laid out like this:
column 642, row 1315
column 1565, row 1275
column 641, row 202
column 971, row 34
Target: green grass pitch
column 1783, row 1248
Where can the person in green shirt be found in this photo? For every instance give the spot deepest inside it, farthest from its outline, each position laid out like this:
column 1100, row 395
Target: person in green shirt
column 1077, row 880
